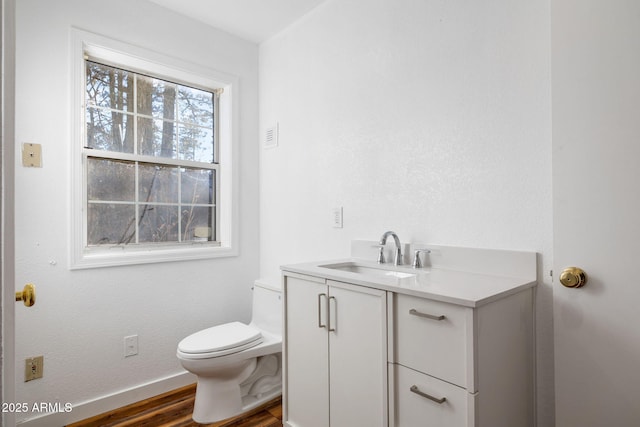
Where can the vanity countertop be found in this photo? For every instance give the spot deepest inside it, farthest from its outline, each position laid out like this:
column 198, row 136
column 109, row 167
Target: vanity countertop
column 441, row 284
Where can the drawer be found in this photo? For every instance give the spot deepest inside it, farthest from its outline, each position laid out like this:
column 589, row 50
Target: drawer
column 440, row 348
column 413, row 408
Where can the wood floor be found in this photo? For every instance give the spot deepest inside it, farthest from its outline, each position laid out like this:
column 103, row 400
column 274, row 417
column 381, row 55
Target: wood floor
column 174, row 408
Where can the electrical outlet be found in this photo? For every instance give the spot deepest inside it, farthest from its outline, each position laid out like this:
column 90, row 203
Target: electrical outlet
column 33, row 368
column 130, row 345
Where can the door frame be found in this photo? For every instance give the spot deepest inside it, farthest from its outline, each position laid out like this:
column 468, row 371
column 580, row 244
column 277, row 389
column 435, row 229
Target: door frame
column 7, row 232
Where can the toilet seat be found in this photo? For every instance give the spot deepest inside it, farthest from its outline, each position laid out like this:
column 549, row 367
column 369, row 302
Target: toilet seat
column 219, row 341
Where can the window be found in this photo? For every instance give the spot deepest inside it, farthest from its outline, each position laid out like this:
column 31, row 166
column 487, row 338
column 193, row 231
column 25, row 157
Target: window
column 153, row 182
column 150, row 159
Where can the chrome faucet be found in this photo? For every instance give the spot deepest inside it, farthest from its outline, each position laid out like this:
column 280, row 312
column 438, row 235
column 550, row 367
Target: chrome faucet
column 416, row 257
column 383, row 241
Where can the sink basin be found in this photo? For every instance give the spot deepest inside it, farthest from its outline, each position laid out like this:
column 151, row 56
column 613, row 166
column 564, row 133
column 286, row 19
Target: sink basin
column 354, row 267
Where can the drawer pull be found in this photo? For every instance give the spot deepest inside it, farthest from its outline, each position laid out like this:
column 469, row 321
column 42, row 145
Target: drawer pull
column 415, row 312
column 414, row 389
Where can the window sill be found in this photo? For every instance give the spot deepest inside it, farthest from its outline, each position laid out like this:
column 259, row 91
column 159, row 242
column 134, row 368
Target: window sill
column 121, row 256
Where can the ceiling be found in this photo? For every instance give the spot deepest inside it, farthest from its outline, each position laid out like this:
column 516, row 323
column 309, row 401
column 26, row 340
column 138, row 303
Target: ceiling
column 253, row 20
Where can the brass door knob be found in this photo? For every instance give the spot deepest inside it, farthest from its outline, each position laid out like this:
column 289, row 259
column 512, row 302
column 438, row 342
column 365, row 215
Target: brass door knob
column 27, row 295
column 573, row 277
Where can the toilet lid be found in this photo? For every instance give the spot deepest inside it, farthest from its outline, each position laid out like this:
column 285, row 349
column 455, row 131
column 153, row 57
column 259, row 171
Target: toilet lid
column 220, row 338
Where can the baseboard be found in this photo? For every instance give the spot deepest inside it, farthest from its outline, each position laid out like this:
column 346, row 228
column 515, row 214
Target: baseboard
column 110, row 402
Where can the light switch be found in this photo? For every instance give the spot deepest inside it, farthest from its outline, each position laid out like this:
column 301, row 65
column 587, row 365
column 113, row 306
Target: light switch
column 31, row 155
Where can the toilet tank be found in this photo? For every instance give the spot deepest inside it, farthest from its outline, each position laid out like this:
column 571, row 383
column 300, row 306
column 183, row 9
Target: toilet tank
column 267, row 307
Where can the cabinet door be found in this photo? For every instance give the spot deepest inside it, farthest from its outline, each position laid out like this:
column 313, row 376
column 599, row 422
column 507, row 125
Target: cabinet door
column 357, row 356
column 306, row 371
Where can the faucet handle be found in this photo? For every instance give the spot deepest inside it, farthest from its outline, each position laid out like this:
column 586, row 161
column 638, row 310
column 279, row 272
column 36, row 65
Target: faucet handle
column 380, row 259
column 416, row 257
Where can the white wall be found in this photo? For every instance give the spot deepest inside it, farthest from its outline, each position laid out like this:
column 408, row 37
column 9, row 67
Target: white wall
column 430, row 118
column 81, row 317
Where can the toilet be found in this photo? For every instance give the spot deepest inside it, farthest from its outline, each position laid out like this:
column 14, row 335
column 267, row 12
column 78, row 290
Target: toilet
column 238, row 365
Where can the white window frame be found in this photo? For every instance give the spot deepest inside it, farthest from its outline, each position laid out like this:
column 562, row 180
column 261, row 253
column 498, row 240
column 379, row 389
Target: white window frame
column 138, row 59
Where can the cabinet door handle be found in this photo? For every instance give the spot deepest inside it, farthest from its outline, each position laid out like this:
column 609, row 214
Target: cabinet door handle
column 320, row 296
column 335, row 302
column 415, row 312
column 416, row 390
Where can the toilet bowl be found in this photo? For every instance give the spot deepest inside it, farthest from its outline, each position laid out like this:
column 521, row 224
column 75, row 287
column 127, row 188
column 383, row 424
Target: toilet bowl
column 238, row 365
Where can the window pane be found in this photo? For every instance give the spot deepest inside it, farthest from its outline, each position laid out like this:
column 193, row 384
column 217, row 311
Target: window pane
column 156, row 98
column 197, row 186
column 156, row 138
column 158, row 184
column 108, row 87
column 143, row 200
column 110, row 180
column 158, row 223
column 110, row 223
column 195, row 106
column 197, row 223
column 196, row 143
column 109, row 130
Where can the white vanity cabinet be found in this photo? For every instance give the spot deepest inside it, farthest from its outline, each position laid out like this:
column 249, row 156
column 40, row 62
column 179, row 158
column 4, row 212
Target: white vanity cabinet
column 335, row 354
column 450, row 344
column 457, row 366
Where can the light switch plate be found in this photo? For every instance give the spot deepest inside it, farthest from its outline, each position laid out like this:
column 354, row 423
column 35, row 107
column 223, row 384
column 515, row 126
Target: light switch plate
column 31, row 155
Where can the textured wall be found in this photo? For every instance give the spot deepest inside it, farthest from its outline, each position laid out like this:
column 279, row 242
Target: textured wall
column 81, row 317
column 430, row 118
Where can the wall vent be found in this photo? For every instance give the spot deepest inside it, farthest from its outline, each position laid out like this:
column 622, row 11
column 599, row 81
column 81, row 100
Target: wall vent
column 271, row 137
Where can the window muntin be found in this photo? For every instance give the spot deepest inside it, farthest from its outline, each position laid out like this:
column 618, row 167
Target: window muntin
column 151, row 166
